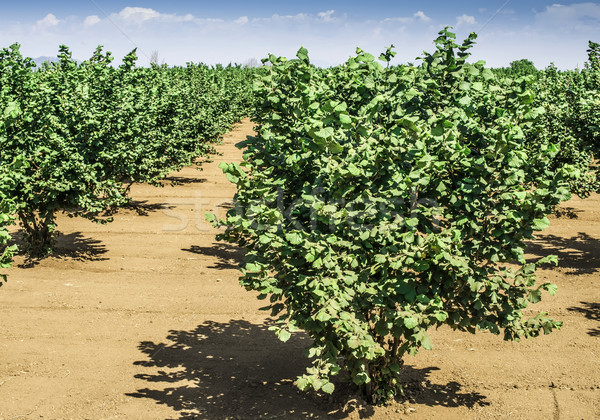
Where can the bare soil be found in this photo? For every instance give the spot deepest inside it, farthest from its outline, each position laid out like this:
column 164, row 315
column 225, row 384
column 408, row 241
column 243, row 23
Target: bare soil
column 144, row 318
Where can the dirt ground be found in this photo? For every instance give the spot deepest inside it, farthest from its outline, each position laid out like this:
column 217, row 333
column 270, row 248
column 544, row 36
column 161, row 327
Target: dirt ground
column 144, row 319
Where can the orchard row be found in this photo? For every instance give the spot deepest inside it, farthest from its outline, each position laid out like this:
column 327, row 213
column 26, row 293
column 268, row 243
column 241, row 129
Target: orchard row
column 374, row 203
column 75, row 136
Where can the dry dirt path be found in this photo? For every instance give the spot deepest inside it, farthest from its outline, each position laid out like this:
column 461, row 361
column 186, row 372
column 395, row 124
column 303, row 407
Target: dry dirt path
column 144, row 319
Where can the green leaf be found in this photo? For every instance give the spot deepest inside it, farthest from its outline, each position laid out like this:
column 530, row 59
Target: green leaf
column 487, row 74
column 294, row 238
column 548, row 259
column 335, row 148
column 465, row 100
column 437, row 131
column 328, row 388
column 550, row 288
column 408, row 237
column 441, row 316
column 345, row 119
column 381, row 328
column 426, row 342
column 395, row 367
column 303, row 383
column 283, row 335
column 252, row 268
column 410, row 322
column 421, row 266
column 302, row 54
column 464, row 86
column 361, row 378
column 12, row 110
column 534, row 296
column 342, row 107
column 411, row 222
column 324, row 133
column 541, row 224
column 380, row 259
column 353, row 169
column 478, row 86
column 232, row 178
column 353, row 343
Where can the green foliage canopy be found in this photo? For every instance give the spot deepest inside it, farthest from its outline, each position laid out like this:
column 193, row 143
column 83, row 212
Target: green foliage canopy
column 75, row 136
column 376, row 203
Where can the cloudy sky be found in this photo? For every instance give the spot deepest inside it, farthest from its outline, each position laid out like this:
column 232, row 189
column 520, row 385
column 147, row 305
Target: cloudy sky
column 226, row 31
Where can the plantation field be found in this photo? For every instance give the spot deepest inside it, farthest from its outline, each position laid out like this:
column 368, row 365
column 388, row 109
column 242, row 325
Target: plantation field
column 144, row 318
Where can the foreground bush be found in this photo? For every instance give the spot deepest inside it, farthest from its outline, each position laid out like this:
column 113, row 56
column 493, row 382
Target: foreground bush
column 376, row 203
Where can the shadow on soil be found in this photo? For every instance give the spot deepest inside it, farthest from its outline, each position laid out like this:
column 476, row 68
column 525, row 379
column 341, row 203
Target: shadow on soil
column 226, row 205
column 579, row 254
column 142, row 208
column 228, row 257
column 240, row 370
column 591, row 311
column 567, row 212
column 73, row 246
column 180, row 180
column 419, row 389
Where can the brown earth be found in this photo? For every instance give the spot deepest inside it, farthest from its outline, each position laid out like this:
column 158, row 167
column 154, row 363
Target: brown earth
column 144, row 319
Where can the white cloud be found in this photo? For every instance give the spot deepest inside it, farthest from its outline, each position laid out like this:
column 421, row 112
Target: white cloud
column 144, row 14
column 465, row 19
column 326, row 16
column 138, row 14
column 241, row 20
column 571, row 18
column 422, row 16
column 48, row 21
column 417, row 16
column 91, row 20
column 299, row 16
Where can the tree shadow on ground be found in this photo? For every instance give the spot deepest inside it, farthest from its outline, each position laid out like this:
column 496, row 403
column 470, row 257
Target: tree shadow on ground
column 240, row 370
column 73, row 246
column 142, row 208
column 567, row 212
column 578, row 255
column 228, row 257
column 418, row 388
column 226, row 370
column 180, row 180
column 591, row 311
column 226, row 205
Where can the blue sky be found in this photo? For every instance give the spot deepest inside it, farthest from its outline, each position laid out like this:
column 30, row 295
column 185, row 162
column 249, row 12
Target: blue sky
column 226, row 31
